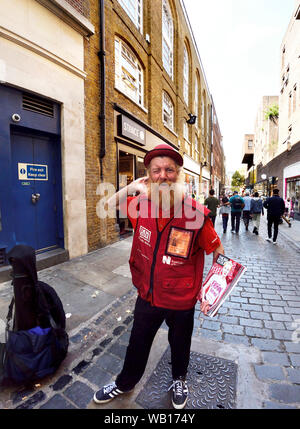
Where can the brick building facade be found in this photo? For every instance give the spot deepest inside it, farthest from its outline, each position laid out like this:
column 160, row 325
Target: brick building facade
column 154, row 82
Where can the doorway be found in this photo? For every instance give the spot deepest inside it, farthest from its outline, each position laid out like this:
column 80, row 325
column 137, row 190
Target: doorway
column 36, row 190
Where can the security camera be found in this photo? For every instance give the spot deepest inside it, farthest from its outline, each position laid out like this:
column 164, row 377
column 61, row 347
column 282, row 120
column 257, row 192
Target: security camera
column 15, row 117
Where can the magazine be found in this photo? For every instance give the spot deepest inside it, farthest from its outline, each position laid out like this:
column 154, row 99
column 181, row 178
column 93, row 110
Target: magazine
column 219, row 282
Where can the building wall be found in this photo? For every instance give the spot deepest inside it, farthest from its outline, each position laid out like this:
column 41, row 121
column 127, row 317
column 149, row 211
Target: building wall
column 289, row 99
column 218, row 180
column 43, row 54
column 266, row 133
column 156, row 80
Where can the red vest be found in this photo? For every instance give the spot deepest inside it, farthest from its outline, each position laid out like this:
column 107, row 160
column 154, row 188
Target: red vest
column 165, row 267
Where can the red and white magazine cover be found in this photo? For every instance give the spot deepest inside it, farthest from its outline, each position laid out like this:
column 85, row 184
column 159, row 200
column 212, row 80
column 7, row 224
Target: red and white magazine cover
column 219, row 282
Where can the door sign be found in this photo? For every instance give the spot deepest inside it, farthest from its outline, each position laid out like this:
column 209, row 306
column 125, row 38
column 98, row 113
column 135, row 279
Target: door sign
column 32, row 171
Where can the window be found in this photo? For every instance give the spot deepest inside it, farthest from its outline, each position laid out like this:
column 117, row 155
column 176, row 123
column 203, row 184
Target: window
column 128, row 73
column 134, row 9
column 168, row 111
column 290, row 103
column 250, row 144
column 295, row 98
column 185, row 131
column 186, row 75
column 202, row 113
column 196, row 104
column 167, row 38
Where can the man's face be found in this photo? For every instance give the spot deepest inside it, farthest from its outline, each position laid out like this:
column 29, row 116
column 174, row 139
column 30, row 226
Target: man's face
column 163, row 177
column 163, row 170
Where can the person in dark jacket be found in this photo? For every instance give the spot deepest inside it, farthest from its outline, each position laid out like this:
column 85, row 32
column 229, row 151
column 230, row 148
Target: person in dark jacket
column 275, row 206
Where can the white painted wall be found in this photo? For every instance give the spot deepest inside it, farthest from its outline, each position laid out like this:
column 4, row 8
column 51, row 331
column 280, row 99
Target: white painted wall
column 39, row 52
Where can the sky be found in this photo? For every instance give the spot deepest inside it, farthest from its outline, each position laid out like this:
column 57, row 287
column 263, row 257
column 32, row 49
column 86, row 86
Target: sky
column 239, row 44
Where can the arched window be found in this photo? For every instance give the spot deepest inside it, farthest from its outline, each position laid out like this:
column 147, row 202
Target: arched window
column 196, row 100
column 129, row 76
column 134, row 9
column 167, row 38
column 203, row 103
column 168, row 111
column 186, row 75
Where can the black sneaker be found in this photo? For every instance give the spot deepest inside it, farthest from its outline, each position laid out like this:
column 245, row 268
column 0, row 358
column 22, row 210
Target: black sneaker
column 180, row 393
column 107, row 393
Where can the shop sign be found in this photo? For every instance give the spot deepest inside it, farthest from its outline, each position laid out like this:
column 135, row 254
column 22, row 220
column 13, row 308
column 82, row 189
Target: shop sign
column 131, row 130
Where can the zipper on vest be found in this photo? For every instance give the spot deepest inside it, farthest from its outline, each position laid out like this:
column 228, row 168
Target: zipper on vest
column 150, row 292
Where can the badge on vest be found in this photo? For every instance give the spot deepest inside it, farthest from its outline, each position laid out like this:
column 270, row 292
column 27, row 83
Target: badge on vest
column 179, row 242
column 144, row 235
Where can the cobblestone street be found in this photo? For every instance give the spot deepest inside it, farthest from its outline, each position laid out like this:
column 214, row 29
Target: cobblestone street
column 258, row 327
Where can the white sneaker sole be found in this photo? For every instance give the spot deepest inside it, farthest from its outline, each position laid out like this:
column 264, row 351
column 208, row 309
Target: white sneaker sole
column 179, row 407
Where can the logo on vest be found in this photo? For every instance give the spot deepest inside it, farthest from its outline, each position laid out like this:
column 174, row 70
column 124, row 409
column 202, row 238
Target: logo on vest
column 145, row 234
column 166, row 260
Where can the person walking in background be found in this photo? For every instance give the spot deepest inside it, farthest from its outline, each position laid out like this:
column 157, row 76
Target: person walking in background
column 225, row 212
column 275, row 206
column 256, row 210
column 246, row 210
column 237, row 205
column 212, row 203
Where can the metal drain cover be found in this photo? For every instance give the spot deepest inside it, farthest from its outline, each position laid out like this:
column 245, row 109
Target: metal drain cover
column 211, row 381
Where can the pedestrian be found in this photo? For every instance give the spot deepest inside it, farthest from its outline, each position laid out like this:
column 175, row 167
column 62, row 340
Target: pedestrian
column 275, row 206
column 166, row 262
column 246, row 210
column 256, row 210
column 225, row 212
column 237, row 205
column 212, row 204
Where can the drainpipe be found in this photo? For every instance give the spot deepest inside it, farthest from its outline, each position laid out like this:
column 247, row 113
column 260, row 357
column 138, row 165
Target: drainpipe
column 101, row 55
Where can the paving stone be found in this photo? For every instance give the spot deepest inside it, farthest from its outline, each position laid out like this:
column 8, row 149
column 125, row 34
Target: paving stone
column 97, row 376
column 276, row 358
column 295, row 359
column 62, row 382
column 267, row 345
column 286, row 393
column 269, row 372
column 293, row 375
column 251, row 322
column 57, row 402
column 212, row 325
column 81, row 366
column 269, row 405
column 79, row 393
column 258, row 332
column 110, row 363
column 237, row 339
column 118, row 349
column 260, row 315
column 33, row 401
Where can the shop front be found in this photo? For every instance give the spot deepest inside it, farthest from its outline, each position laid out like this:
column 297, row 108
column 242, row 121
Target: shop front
column 204, row 185
column 292, row 188
column 191, row 177
column 133, row 140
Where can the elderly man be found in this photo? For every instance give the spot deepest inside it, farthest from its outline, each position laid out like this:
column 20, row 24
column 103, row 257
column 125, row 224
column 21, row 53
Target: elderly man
column 172, row 232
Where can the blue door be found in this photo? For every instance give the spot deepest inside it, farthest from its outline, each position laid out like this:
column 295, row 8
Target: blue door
column 35, row 192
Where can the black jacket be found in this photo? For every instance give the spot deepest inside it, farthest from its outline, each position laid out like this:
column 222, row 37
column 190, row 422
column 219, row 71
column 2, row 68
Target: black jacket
column 275, row 206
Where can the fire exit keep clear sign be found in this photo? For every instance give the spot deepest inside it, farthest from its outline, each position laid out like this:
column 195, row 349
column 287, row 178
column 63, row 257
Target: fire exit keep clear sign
column 32, row 171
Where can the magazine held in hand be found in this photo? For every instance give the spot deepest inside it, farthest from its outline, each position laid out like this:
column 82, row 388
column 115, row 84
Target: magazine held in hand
column 219, row 282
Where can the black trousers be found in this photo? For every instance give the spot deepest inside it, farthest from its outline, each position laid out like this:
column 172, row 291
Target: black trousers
column 147, row 321
column 235, row 221
column 273, row 220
